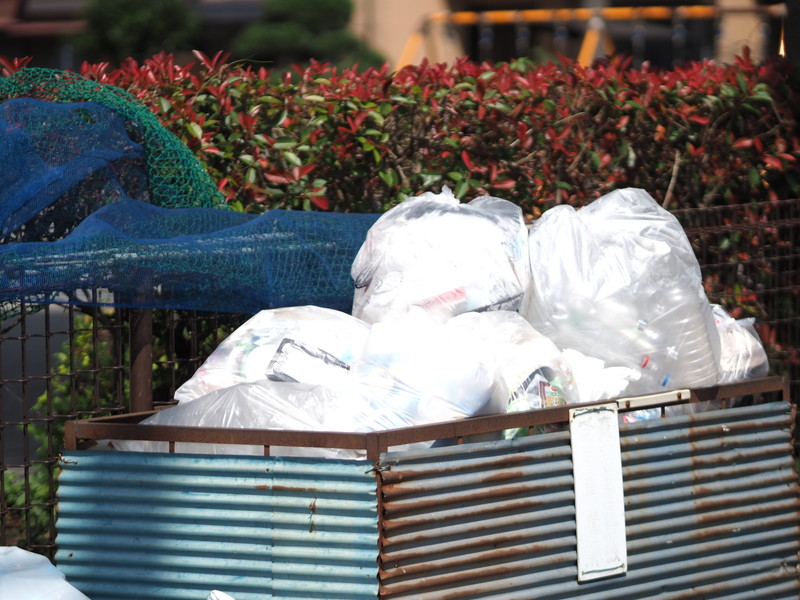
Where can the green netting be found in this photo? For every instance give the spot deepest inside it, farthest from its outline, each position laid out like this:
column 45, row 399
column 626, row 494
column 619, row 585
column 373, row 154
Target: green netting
column 176, row 177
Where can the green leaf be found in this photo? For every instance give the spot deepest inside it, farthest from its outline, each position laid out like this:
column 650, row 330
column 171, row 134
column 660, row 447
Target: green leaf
column 461, row 189
column 292, row 158
column 430, row 177
column 754, row 177
column 389, row 177
column 313, row 98
column 195, row 129
column 284, row 143
column 742, row 82
column 377, row 117
column 563, row 185
column 402, row 100
column 247, row 159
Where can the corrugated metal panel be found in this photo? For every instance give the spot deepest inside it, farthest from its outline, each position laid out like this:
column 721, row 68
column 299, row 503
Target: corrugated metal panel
column 142, row 526
column 712, row 511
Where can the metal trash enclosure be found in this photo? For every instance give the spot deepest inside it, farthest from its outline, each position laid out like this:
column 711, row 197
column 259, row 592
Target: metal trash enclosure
column 712, row 510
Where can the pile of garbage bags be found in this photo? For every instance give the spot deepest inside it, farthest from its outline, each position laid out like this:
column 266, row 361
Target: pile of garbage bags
column 461, row 310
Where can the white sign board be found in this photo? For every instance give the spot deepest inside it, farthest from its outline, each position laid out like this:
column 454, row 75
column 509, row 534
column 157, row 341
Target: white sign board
column 599, row 498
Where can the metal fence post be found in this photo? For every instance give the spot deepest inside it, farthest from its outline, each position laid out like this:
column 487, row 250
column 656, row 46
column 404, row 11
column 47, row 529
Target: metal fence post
column 141, row 360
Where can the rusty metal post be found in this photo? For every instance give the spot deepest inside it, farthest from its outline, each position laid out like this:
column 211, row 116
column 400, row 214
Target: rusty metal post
column 141, row 360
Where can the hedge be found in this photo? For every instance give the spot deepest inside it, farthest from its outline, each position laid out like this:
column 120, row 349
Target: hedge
column 538, row 134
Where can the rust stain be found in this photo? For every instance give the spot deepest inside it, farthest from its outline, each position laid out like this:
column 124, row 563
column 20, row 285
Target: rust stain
column 391, row 568
column 511, row 460
column 397, row 494
column 397, row 522
column 286, row 488
column 480, row 583
column 477, row 543
column 312, row 508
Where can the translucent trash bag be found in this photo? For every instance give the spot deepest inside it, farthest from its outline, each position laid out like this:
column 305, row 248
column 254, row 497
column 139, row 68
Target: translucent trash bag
column 617, row 280
column 307, row 344
column 410, row 373
column 742, row 355
column 434, row 254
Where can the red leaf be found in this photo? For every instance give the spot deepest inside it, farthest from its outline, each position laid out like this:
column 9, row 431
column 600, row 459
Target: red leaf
column 303, row 171
column 504, row 184
column 280, row 177
column 743, row 143
column 481, row 112
column 467, row 161
column 321, row 202
column 773, row 162
column 14, row 65
column 699, row 119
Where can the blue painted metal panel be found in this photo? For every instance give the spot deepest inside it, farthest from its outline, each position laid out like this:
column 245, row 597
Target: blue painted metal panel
column 712, row 511
column 145, row 526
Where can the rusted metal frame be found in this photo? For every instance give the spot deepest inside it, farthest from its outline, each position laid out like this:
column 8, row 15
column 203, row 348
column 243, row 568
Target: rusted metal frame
column 26, row 464
column 52, row 461
column 141, row 377
column 753, row 387
column 374, row 443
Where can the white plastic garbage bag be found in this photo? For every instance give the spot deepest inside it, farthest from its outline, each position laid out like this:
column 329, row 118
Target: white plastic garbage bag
column 425, row 370
column 742, row 355
column 217, row 595
column 307, row 344
column 410, row 373
column 618, row 280
column 435, row 254
column 28, row 576
column 529, row 371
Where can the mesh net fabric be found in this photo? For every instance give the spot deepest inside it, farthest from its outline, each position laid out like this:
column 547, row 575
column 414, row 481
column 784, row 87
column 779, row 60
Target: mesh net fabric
column 61, row 162
column 175, row 177
column 199, row 259
column 99, row 204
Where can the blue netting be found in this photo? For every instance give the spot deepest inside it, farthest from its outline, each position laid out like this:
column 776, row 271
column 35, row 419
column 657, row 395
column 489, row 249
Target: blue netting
column 60, row 163
column 76, row 220
column 192, row 258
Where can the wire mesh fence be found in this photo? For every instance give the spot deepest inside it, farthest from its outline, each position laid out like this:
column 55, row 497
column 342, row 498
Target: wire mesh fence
column 67, row 362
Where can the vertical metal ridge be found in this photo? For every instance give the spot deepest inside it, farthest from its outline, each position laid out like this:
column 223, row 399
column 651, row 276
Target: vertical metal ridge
column 712, row 508
column 147, row 526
